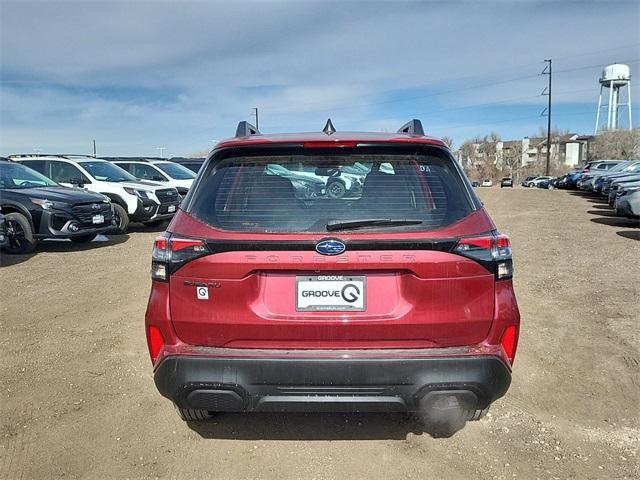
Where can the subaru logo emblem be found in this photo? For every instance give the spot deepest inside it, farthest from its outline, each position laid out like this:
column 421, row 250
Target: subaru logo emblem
column 95, row 206
column 330, row 246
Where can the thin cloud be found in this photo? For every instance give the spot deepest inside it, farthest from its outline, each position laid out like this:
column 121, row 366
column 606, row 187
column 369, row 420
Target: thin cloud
column 137, row 74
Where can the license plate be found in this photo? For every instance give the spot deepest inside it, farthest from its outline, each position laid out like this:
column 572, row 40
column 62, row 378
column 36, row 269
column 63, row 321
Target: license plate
column 171, row 208
column 98, row 219
column 336, row 293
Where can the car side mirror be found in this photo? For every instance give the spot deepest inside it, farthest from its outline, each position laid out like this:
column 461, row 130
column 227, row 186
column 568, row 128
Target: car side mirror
column 76, row 182
column 158, row 178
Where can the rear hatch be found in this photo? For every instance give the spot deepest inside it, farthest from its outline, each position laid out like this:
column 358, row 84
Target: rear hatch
column 266, row 256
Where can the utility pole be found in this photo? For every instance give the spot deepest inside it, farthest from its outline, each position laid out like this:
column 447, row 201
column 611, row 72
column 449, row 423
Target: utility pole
column 255, row 113
column 547, row 92
column 161, row 149
column 94, row 148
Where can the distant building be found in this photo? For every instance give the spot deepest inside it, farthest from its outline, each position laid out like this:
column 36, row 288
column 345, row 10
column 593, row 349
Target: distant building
column 569, row 149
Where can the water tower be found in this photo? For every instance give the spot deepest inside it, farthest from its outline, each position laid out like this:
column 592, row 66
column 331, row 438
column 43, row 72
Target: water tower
column 614, row 77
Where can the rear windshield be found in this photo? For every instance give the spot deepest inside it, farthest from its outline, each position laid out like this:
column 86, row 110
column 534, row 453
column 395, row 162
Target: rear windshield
column 308, row 193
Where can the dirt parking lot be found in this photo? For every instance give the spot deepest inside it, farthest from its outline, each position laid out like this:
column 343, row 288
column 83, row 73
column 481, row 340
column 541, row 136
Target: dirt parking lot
column 78, row 401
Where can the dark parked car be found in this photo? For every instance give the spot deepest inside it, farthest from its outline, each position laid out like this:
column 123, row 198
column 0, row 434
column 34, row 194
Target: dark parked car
column 617, row 186
column 193, row 164
column 475, row 183
column 572, row 179
column 36, row 208
column 506, row 182
column 260, row 302
column 548, row 183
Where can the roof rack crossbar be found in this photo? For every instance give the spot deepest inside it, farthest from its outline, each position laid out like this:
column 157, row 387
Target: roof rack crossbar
column 414, row 127
column 245, row 129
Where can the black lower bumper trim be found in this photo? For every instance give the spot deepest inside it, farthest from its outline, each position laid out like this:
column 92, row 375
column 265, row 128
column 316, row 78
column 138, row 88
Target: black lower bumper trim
column 326, row 385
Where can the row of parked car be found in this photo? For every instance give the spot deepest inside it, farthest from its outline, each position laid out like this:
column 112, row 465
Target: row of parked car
column 79, row 197
column 618, row 180
column 504, row 182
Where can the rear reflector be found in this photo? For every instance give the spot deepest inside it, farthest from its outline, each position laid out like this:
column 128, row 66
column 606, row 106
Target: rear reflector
column 509, row 342
column 155, row 341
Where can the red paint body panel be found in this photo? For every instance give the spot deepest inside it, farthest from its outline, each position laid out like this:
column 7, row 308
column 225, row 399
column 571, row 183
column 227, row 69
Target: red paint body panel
column 425, row 302
column 435, row 299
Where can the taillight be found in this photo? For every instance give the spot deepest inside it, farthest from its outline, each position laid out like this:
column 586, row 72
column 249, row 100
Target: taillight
column 155, row 341
column 492, row 251
column 509, row 342
column 170, row 253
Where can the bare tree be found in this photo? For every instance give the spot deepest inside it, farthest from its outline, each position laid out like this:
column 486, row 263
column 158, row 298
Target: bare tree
column 511, row 158
column 487, row 167
column 448, row 141
column 616, row 145
column 467, row 154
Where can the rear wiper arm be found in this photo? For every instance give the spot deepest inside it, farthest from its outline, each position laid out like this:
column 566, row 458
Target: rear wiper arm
column 369, row 222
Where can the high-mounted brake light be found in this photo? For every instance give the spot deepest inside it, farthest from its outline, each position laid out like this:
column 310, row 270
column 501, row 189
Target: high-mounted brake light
column 492, row 251
column 170, row 253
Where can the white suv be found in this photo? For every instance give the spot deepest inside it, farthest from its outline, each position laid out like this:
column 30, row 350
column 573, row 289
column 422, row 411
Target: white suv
column 163, row 171
column 133, row 200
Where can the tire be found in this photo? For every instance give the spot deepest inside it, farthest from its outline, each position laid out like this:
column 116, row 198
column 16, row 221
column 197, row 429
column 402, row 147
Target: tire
column 193, row 415
column 20, row 234
column 83, row 238
column 122, row 219
column 336, row 189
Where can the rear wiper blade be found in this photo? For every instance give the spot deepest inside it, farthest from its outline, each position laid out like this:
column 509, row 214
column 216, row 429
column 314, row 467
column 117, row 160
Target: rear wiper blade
column 369, row 222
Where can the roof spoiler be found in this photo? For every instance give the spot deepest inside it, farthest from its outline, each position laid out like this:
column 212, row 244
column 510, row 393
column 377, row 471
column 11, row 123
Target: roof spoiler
column 414, row 127
column 245, row 129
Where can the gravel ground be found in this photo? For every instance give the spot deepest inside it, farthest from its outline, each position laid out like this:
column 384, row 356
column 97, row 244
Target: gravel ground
column 77, row 396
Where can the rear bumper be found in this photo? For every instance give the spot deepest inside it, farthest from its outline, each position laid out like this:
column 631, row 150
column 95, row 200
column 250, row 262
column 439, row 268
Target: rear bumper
column 236, row 384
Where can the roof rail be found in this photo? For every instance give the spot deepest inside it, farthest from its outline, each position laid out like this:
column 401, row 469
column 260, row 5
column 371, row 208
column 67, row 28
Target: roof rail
column 414, row 127
column 245, row 129
column 133, row 159
column 58, row 155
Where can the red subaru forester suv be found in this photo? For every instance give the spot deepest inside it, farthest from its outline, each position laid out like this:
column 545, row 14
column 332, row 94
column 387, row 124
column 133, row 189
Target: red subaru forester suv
column 333, row 272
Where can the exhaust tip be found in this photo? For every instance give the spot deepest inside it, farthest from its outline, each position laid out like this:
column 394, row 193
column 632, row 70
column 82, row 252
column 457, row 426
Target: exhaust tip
column 444, row 413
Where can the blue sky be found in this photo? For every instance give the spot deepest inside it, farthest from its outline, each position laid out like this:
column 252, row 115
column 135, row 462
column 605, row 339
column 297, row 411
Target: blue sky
column 138, row 75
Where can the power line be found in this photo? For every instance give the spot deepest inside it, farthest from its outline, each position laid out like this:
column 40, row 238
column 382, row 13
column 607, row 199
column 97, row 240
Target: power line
column 486, row 104
column 515, row 119
column 499, row 102
column 599, row 65
column 443, row 92
column 435, row 94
